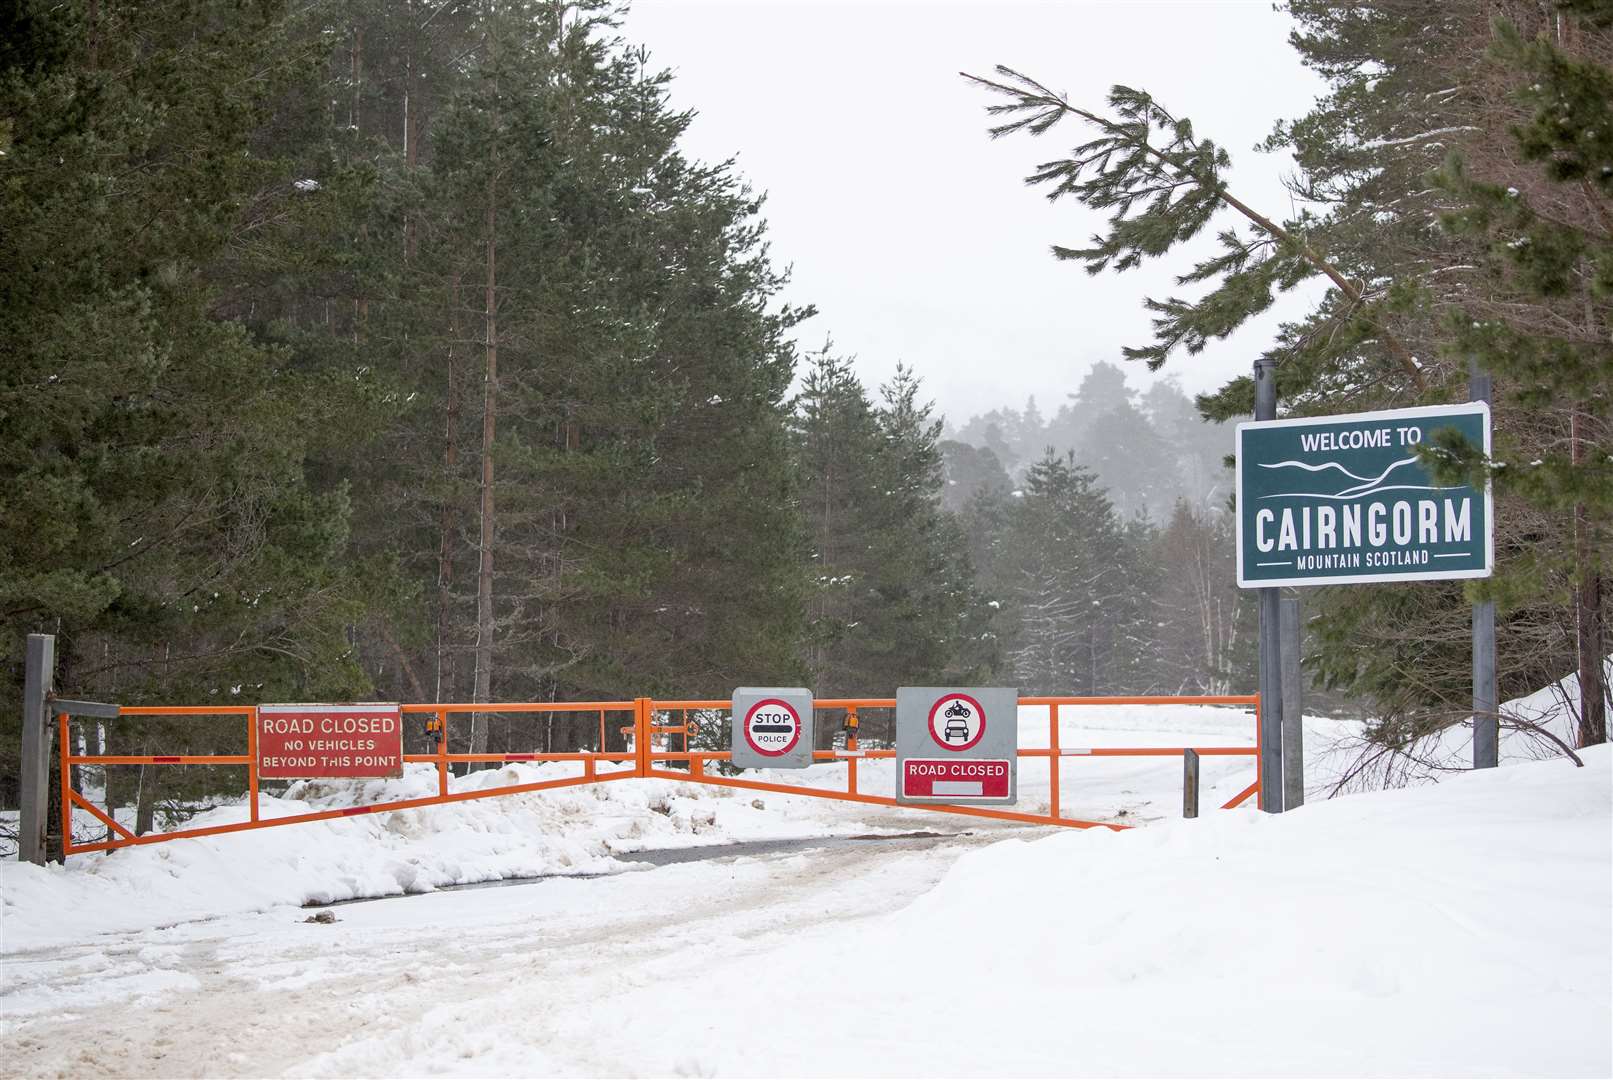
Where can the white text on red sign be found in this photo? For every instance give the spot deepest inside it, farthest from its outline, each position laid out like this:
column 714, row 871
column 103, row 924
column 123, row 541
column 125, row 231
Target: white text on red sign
column 925, row 778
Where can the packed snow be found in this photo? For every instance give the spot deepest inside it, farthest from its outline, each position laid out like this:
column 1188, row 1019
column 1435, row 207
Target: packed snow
column 1457, row 928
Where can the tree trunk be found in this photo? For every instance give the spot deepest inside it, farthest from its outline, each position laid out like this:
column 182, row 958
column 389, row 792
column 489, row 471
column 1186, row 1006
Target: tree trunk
column 92, row 748
column 76, row 772
column 446, row 654
column 145, row 805
column 1587, row 611
column 484, row 571
column 355, row 57
column 411, row 147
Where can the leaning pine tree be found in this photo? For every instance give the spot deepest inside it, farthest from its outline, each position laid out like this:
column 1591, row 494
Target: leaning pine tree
column 1382, row 335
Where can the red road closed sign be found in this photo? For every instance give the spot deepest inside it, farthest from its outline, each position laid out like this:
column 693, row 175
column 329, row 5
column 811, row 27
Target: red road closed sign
column 974, row 778
column 318, row 742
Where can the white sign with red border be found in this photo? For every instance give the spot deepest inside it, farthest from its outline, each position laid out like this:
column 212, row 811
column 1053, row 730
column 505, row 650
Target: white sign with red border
column 957, row 744
column 772, row 728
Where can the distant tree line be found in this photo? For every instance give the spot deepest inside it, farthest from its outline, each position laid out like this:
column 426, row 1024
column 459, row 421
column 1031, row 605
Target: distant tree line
column 1103, row 535
column 1149, row 450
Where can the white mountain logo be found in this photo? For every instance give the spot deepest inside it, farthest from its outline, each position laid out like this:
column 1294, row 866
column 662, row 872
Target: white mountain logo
column 1363, row 487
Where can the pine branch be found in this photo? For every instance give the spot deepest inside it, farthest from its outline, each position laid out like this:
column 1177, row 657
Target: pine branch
column 1124, row 166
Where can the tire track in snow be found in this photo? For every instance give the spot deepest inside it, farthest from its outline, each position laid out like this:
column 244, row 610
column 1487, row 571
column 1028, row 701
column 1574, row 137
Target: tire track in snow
column 494, row 980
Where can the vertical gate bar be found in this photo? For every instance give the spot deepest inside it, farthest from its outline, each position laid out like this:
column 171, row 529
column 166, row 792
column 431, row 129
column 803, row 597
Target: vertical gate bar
column 641, row 736
column 252, row 766
column 63, row 724
column 1053, row 760
column 601, row 731
column 851, row 744
column 442, row 751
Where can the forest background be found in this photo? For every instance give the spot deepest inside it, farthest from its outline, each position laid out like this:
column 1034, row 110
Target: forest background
column 393, row 350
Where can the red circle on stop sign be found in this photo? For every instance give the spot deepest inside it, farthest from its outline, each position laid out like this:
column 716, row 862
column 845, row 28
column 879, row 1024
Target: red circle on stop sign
column 957, row 722
column 779, row 732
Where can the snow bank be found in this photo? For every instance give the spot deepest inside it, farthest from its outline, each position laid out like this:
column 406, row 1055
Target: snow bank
column 583, row 830
column 591, row 829
column 1457, row 929
column 1553, row 708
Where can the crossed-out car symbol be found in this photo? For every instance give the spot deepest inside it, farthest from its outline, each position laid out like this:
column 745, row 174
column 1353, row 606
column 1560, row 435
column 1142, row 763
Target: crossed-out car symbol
column 957, row 728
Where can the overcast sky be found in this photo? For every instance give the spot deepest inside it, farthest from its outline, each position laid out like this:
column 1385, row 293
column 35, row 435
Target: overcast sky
column 909, row 228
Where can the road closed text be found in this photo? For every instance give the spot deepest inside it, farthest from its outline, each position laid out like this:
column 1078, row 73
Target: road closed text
column 329, row 725
column 329, row 741
column 924, row 778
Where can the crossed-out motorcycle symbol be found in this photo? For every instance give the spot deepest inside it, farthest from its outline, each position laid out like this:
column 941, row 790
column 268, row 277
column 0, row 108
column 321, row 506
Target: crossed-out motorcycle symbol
column 958, row 716
column 957, row 722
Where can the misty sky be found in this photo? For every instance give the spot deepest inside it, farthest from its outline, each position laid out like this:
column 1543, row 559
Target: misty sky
column 911, row 230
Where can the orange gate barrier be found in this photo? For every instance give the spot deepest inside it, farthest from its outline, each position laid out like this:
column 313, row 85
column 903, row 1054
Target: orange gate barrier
column 639, row 759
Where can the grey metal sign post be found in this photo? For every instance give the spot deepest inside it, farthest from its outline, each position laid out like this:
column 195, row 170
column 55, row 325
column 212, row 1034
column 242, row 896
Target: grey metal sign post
column 1486, row 709
column 1270, row 766
column 1293, row 635
column 772, row 727
column 957, row 744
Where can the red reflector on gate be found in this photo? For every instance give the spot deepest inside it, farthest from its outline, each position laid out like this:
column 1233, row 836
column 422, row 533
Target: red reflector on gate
column 520, row 757
column 351, row 810
column 166, row 760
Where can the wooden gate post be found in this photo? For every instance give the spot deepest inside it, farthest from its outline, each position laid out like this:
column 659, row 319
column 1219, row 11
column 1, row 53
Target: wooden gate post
column 38, row 682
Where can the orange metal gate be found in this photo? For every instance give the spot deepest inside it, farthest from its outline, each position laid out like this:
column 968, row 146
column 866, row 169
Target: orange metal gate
column 640, row 721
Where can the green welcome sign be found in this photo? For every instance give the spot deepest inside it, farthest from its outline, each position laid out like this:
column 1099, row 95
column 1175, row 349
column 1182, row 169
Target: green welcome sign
column 1333, row 500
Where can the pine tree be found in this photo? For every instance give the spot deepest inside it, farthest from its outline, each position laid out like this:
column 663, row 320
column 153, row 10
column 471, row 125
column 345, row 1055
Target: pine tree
column 1543, row 327
column 968, row 472
column 893, row 599
column 1069, row 574
column 1164, row 184
column 1402, row 97
column 1206, row 626
column 162, row 514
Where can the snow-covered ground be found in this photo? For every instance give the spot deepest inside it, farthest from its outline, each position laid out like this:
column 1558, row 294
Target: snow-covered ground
column 1455, row 929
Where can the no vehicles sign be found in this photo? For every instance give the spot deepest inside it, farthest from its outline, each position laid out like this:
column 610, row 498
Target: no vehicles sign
column 956, row 744
column 319, row 742
column 772, row 728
